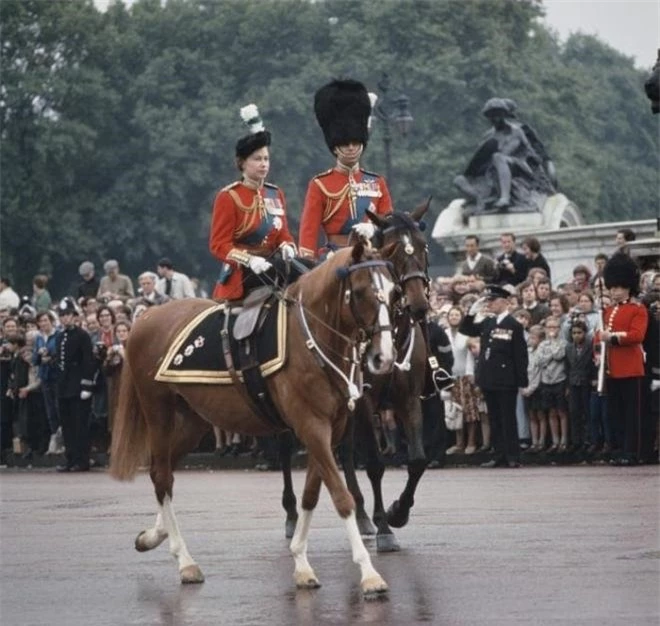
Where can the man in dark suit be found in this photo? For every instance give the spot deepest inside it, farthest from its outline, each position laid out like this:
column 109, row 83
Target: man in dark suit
column 501, row 370
column 75, row 365
column 511, row 264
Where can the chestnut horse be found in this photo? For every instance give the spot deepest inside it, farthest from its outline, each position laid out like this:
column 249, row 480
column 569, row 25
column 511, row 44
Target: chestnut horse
column 401, row 242
column 338, row 313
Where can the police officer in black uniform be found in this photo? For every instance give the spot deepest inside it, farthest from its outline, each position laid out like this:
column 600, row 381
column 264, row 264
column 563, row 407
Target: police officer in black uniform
column 501, row 370
column 75, row 365
column 441, row 362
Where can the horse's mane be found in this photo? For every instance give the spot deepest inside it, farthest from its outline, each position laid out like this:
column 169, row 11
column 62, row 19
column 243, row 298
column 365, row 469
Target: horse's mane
column 399, row 221
column 324, row 273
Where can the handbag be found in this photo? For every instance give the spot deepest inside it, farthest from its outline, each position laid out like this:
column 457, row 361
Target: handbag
column 453, row 415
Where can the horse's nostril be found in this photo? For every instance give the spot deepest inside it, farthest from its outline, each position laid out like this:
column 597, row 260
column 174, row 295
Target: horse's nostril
column 378, row 361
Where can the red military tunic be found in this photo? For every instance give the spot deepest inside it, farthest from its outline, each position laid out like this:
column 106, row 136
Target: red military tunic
column 246, row 221
column 625, row 356
column 335, row 201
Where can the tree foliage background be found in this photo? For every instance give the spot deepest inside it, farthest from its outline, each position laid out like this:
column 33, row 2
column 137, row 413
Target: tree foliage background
column 118, row 128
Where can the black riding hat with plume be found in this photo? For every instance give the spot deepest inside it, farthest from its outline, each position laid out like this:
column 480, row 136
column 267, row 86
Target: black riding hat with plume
column 621, row 271
column 342, row 109
column 259, row 137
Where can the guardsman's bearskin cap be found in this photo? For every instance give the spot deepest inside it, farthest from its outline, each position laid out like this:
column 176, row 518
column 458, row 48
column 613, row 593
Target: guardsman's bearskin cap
column 342, row 109
column 621, row 271
column 258, row 138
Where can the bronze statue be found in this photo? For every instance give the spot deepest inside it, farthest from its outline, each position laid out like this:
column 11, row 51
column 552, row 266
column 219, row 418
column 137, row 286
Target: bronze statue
column 652, row 86
column 511, row 170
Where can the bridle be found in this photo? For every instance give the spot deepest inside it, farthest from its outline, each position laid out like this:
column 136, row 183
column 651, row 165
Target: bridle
column 366, row 330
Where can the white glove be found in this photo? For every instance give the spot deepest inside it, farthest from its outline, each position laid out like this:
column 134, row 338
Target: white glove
column 445, row 395
column 258, row 264
column 365, row 229
column 85, row 395
column 655, row 384
column 476, row 307
column 288, row 252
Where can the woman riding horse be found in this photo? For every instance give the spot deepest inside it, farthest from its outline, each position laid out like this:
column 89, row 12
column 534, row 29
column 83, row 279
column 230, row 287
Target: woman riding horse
column 249, row 218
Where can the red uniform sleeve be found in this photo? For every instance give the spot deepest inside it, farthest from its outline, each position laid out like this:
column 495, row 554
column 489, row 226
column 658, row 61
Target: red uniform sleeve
column 637, row 328
column 223, row 224
column 310, row 221
column 384, row 206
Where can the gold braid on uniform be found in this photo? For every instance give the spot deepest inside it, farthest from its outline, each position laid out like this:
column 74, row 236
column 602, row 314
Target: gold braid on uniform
column 252, row 211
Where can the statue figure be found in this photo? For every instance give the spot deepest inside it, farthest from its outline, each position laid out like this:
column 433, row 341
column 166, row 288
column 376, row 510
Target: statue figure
column 652, row 86
column 511, row 170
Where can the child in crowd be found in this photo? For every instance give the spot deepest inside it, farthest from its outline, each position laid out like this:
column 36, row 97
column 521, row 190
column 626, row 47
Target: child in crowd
column 532, row 393
column 474, row 346
column 524, row 318
column 552, row 360
column 599, row 424
column 527, row 291
column 579, row 360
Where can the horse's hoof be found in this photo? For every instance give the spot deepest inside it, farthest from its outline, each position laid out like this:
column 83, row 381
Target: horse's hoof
column 374, row 587
column 306, row 580
column 365, row 527
column 143, row 544
column 140, row 545
column 191, row 575
column 397, row 517
column 387, row 543
column 290, row 528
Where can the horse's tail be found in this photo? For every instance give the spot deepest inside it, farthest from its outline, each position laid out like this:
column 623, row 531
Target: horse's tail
column 129, row 431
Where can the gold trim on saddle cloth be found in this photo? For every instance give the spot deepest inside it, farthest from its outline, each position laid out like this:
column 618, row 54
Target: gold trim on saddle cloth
column 210, row 377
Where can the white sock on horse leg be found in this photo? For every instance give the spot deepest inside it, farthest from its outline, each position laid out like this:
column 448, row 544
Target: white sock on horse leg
column 178, row 548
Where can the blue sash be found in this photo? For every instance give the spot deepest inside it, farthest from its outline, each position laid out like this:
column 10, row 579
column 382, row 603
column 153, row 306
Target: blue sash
column 362, row 202
column 267, row 222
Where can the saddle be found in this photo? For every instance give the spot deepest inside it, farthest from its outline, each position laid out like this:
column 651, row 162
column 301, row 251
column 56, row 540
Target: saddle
column 251, row 318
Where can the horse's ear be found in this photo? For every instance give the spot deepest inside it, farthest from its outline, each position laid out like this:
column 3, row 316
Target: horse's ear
column 358, row 251
column 418, row 212
column 376, row 219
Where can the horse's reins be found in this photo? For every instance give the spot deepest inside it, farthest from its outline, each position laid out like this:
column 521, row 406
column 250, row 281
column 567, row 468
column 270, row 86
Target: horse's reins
column 354, row 379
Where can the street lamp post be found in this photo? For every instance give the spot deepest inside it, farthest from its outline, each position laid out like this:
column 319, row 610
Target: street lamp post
column 391, row 110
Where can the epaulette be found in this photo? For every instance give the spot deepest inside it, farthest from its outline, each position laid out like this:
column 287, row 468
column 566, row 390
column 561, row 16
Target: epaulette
column 326, row 173
column 271, row 185
column 370, row 173
column 231, row 185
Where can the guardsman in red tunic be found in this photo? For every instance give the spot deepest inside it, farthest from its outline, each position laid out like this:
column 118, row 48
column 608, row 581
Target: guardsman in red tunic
column 337, row 199
column 249, row 218
column 624, row 328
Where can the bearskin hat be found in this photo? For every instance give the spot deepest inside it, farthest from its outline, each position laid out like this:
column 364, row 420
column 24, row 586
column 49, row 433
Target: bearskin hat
column 621, row 271
column 342, row 109
column 259, row 137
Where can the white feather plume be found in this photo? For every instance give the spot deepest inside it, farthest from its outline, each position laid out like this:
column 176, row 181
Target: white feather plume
column 373, row 98
column 250, row 115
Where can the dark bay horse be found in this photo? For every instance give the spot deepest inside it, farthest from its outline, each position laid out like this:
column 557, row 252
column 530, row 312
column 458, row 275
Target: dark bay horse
column 338, row 311
column 401, row 242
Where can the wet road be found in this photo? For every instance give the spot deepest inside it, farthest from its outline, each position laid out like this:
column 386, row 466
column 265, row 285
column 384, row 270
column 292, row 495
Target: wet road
column 545, row 545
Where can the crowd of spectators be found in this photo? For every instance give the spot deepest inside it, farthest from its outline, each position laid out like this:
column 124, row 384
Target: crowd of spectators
column 32, row 359
column 559, row 412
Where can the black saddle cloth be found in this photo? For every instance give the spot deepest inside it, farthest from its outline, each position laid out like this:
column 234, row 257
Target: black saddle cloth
column 196, row 354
